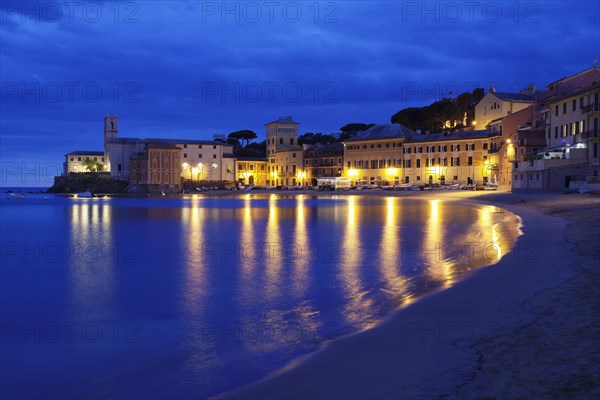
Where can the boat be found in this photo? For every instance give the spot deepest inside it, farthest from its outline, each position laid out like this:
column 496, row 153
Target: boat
column 198, row 189
column 404, row 186
column 85, row 195
column 17, row 195
column 248, row 188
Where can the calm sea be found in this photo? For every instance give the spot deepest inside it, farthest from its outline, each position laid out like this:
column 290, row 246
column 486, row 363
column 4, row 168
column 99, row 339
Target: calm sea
column 189, row 297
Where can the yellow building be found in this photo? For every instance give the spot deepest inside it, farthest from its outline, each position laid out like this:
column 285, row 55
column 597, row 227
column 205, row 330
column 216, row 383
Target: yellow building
column 392, row 154
column 251, row 171
column 495, row 105
column 460, row 157
column 156, row 168
column 374, row 156
column 283, row 153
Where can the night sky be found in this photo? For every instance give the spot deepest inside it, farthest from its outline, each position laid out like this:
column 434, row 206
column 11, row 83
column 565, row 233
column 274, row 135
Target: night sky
column 194, row 69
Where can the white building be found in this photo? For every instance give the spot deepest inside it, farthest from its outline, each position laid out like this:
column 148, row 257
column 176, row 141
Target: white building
column 211, row 160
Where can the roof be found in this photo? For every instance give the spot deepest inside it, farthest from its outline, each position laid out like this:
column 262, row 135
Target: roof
column 264, row 159
column 518, row 97
column 284, row 120
column 85, row 153
column 169, row 141
column 432, row 137
column 383, row 131
column 162, row 146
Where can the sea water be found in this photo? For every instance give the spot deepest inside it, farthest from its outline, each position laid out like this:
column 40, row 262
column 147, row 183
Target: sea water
column 188, row 297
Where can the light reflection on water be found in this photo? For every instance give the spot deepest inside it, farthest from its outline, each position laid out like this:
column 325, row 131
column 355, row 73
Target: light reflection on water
column 225, row 290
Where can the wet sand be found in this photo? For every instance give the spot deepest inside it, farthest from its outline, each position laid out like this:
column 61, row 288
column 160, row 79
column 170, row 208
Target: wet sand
column 526, row 327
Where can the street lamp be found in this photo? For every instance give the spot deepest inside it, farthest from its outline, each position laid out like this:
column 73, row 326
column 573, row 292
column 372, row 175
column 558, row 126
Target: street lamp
column 200, row 168
column 186, row 166
column 300, row 177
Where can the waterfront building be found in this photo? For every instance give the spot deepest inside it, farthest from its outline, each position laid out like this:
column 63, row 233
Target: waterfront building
column 252, row 171
column 448, row 158
column 84, row 161
column 322, row 161
column 374, row 156
column 571, row 157
column 201, row 160
column 156, row 168
column 284, row 153
column 522, row 135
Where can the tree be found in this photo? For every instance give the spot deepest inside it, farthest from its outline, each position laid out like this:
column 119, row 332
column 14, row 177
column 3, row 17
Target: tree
column 314, row 138
column 92, row 166
column 258, row 150
column 244, row 136
column 352, row 129
column 434, row 116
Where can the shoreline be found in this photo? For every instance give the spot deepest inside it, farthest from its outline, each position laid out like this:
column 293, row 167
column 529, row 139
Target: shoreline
column 446, row 343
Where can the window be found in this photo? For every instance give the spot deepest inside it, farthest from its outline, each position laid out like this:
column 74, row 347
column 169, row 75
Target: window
column 292, row 142
column 564, row 108
column 485, row 146
column 293, row 155
column 555, row 132
column 430, row 162
column 340, row 161
column 184, row 155
column 280, row 140
column 469, row 160
column 199, row 155
column 581, row 102
column 418, row 163
column 556, row 110
column 387, row 145
column 455, row 147
column 406, row 163
column 214, row 156
column 185, row 146
column 372, row 146
column 471, row 146
column 378, row 145
column 574, row 104
column 373, row 164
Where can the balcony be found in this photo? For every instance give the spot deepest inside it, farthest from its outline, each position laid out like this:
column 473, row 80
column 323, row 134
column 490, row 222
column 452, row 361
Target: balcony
column 589, row 134
column 589, row 108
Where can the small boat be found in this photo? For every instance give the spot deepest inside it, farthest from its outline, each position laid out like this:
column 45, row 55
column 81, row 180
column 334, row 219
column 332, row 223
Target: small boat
column 404, row 186
column 248, row 188
column 17, row 195
column 162, row 192
column 85, row 195
column 198, row 189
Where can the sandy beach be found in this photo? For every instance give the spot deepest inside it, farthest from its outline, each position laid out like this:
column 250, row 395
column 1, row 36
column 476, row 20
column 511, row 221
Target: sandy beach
column 526, row 327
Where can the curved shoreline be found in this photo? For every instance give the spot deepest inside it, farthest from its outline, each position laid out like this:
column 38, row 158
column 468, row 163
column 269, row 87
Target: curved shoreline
column 428, row 349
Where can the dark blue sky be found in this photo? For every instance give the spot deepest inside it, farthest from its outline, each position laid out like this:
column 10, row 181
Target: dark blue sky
column 194, row 69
